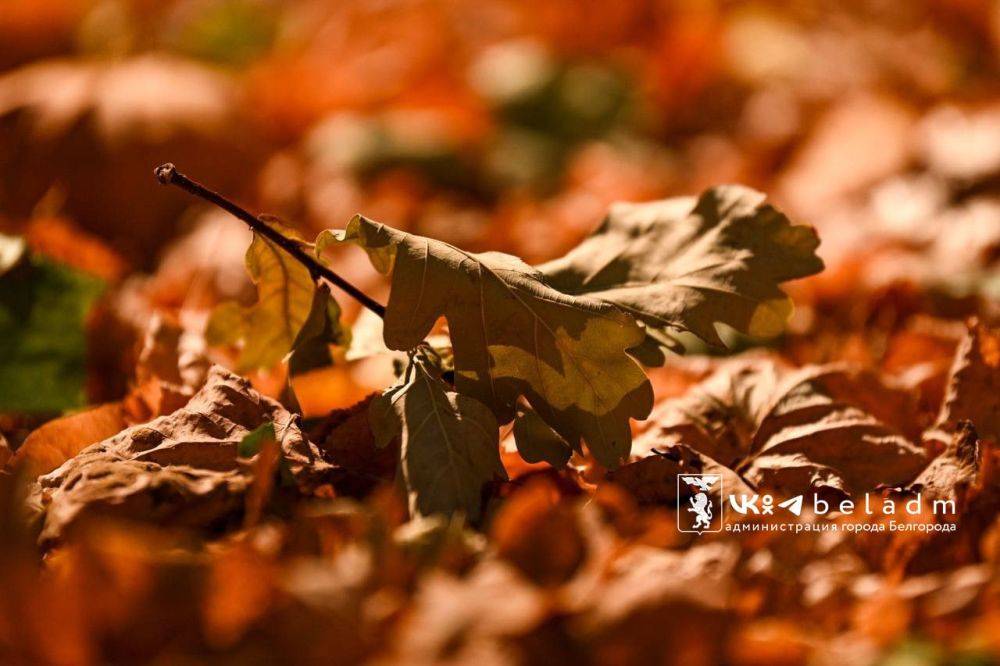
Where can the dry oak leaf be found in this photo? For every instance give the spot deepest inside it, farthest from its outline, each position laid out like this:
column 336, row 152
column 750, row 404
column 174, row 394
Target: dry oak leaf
column 687, row 264
column 287, row 300
column 973, row 392
column 651, row 477
column 795, row 430
column 179, row 470
column 449, row 442
column 513, row 335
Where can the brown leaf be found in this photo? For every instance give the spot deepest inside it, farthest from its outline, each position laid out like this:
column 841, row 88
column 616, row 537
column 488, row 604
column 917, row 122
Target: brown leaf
column 345, row 440
column 793, row 430
column 973, row 392
column 539, row 535
column 949, row 475
column 181, row 469
column 59, row 440
column 171, row 366
column 652, row 475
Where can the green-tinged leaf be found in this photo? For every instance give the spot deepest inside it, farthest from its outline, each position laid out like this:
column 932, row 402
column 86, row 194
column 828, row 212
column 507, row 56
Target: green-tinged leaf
column 688, row 264
column 537, row 442
column 254, row 441
column 514, row 336
column 267, row 329
column 449, row 442
column 321, row 330
column 43, row 344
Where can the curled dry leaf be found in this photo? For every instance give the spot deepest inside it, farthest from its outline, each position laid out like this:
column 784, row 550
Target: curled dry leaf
column 180, row 470
column 973, row 392
column 170, row 368
column 795, row 430
column 688, row 264
column 513, row 335
column 954, row 471
column 651, row 477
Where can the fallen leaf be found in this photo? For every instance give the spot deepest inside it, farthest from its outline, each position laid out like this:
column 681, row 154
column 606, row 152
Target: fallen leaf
column 170, row 368
column 181, row 469
column 513, row 335
column 651, row 478
column 688, row 264
column 973, row 392
column 955, row 470
column 57, row 441
column 539, row 535
column 449, row 442
column 794, row 430
column 345, row 439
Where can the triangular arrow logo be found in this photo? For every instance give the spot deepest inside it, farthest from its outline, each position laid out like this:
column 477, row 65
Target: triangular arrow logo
column 794, row 504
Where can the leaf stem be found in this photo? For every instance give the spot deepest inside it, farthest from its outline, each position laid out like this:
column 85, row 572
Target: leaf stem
column 168, row 174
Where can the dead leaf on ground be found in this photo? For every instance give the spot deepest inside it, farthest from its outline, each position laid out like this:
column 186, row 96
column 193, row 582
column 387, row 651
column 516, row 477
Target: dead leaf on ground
column 796, row 430
column 181, row 469
column 57, row 441
column 973, row 392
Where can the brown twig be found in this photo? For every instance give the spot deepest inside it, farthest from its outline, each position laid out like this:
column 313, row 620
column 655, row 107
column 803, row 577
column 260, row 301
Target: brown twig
column 168, row 174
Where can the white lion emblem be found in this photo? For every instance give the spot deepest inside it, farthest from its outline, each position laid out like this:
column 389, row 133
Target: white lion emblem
column 700, row 504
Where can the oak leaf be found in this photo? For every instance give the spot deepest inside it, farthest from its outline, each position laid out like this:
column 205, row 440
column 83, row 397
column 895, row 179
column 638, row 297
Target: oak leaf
column 311, row 348
column 513, row 335
column 449, row 442
column 536, row 441
column 687, row 264
column 287, row 298
column 795, row 430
